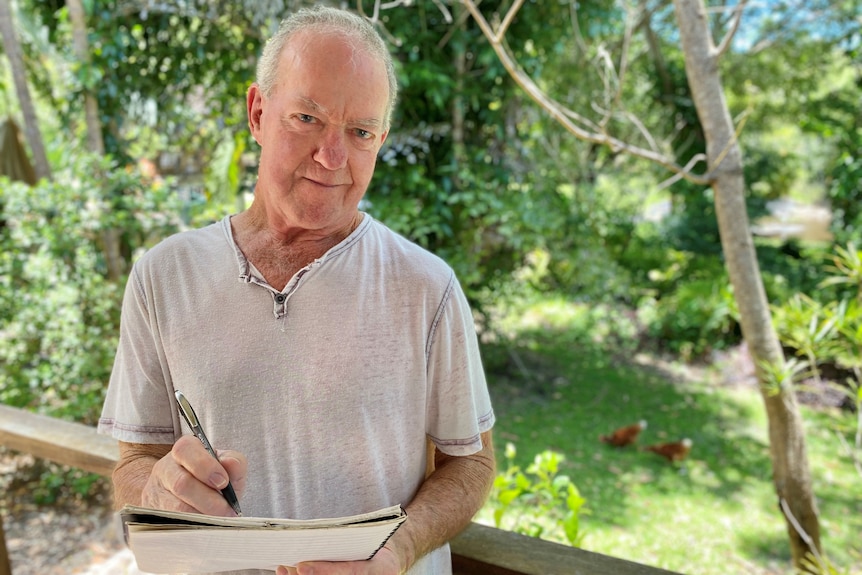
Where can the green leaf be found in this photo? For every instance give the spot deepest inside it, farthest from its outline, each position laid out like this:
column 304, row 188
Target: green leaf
column 506, row 497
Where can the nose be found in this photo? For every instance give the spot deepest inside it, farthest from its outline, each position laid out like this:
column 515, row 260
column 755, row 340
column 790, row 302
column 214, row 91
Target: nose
column 331, row 153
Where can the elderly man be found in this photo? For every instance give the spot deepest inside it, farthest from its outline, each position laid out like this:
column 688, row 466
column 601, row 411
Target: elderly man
column 335, row 364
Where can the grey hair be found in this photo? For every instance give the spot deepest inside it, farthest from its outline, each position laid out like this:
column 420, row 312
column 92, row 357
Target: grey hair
column 326, row 19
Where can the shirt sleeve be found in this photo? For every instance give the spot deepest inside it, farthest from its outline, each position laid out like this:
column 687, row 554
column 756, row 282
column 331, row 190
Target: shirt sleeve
column 138, row 406
column 459, row 408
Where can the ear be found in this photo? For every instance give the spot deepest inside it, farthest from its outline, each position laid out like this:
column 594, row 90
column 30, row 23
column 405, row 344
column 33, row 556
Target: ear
column 254, row 108
column 383, row 137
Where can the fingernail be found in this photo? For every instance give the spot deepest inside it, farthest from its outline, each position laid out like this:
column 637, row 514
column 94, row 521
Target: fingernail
column 218, row 480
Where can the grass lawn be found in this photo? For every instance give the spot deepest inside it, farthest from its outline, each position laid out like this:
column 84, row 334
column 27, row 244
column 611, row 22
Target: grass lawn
column 570, row 378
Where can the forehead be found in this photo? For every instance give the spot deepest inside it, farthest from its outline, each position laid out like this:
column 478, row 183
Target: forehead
column 331, row 68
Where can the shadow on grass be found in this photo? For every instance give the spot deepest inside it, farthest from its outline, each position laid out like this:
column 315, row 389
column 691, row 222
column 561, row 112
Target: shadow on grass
column 556, row 391
column 765, row 548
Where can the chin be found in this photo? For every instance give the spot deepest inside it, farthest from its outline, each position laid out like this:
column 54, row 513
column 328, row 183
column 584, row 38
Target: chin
column 318, row 219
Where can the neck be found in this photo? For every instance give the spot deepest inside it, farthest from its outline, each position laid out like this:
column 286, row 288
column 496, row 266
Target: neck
column 280, row 252
column 258, row 221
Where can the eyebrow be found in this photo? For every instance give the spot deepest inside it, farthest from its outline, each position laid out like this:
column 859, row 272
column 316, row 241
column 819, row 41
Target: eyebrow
column 361, row 122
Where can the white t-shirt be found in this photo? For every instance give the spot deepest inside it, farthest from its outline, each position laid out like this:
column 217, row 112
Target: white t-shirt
column 329, row 387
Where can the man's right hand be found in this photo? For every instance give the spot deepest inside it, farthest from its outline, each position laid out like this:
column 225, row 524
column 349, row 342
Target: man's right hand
column 189, row 479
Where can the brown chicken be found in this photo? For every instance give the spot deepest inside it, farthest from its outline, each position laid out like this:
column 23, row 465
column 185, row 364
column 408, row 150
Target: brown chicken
column 624, row 435
column 672, row 451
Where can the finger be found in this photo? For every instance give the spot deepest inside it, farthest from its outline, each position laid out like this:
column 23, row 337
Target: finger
column 338, row 568
column 156, row 496
column 194, row 478
column 236, row 465
column 191, row 454
column 167, row 487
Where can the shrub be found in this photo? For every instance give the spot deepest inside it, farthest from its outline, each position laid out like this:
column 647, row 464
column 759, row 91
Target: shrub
column 538, row 502
column 59, row 312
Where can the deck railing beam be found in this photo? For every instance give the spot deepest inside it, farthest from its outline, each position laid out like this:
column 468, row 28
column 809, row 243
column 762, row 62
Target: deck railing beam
column 479, row 550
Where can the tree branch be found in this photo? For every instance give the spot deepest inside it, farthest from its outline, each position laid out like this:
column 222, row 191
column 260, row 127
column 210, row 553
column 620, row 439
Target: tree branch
column 578, row 118
column 507, row 21
column 733, row 140
column 686, row 169
column 563, row 116
column 623, row 68
column 734, row 26
column 447, row 16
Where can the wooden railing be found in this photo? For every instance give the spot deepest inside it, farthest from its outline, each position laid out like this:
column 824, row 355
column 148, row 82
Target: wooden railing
column 479, row 550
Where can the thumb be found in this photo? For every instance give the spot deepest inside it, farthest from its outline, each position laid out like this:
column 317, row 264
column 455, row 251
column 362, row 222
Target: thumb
column 236, row 465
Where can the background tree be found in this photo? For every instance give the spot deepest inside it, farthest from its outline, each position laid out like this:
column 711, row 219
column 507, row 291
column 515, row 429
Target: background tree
column 31, row 126
column 792, row 476
column 114, row 260
column 791, row 473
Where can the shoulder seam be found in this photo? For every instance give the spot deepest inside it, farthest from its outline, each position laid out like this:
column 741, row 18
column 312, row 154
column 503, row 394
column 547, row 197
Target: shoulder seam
column 447, row 293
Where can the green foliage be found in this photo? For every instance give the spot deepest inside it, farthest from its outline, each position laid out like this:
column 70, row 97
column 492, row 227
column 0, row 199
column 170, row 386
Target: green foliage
column 819, row 328
column 149, row 65
column 590, row 240
column 820, row 566
column 693, row 309
column 782, row 375
column 846, row 269
column 564, row 395
column 789, row 266
column 770, row 174
column 831, row 112
column 845, row 191
column 686, row 303
column 804, row 326
column 538, row 499
column 450, row 191
column 57, row 484
column 828, row 331
column 59, row 314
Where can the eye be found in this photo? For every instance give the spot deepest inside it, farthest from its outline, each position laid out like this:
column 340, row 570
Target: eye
column 363, row 134
column 305, row 118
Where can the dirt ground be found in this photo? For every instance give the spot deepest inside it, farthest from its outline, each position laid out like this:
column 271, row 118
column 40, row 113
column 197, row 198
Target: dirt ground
column 72, row 536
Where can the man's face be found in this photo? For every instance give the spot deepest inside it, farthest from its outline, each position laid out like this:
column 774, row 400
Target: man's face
column 319, row 132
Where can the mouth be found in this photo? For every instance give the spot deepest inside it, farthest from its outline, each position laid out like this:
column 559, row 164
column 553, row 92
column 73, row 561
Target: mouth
column 323, row 183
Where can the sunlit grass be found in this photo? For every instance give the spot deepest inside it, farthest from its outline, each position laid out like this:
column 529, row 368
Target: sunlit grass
column 572, row 377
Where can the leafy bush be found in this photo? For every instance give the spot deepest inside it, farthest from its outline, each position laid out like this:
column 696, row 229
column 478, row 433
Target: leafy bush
column 693, row 309
column 829, row 331
column 789, row 266
column 545, row 505
column 820, row 328
column 59, row 314
column 844, row 190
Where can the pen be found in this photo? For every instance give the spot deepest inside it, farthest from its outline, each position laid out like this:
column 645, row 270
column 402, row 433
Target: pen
column 195, row 425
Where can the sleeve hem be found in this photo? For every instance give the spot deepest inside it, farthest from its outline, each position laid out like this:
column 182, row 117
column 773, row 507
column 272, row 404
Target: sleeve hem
column 469, row 445
column 134, row 433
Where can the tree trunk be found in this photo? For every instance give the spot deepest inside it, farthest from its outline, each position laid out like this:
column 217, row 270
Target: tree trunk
column 16, row 61
column 459, row 150
column 791, row 472
column 95, row 143
column 111, row 236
